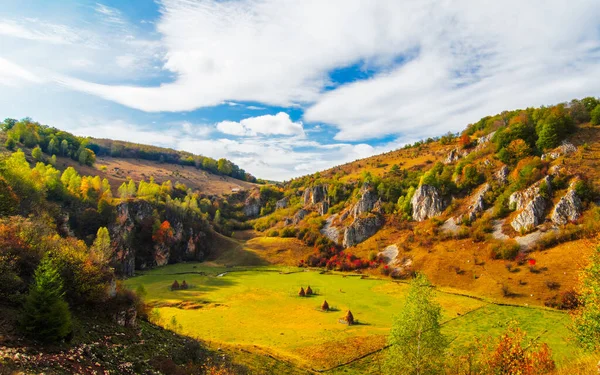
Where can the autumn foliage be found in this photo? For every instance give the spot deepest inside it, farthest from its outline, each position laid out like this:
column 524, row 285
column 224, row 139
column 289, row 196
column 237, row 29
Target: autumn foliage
column 164, row 233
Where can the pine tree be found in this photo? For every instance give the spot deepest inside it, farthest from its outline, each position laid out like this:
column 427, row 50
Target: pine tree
column 417, row 344
column 46, row 315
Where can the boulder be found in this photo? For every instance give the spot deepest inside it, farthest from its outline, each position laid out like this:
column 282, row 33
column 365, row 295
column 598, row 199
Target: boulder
column 568, row 209
column 520, row 199
column 531, row 216
column 361, row 229
column 483, row 141
column 367, row 200
column 454, row 155
column 426, row 203
column 282, row 203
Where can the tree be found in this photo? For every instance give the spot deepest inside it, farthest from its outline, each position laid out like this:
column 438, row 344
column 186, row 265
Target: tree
column 46, row 315
column 224, row 166
column 52, row 146
column 37, row 153
column 10, row 143
column 586, row 319
column 416, row 343
column 101, row 248
column 64, row 147
column 595, row 115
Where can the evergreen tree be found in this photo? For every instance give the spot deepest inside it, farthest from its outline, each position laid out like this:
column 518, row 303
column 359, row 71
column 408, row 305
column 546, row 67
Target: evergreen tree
column 131, row 189
column 64, row 147
column 417, row 344
column 46, row 315
column 52, row 146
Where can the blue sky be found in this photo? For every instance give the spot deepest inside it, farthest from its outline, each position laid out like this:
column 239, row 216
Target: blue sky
column 286, row 88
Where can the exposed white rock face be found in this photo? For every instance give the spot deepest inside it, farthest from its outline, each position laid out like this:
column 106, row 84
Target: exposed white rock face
column 315, row 194
column 361, row 229
column 454, row 155
column 282, row 203
column 329, row 230
column 483, row 141
column 426, row 203
column 367, row 201
column 565, row 148
column 322, row 208
column 520, row 199
column 568, row 209
column 477, row 205
column 252, row 206
column 502, row 175
column 531, row 216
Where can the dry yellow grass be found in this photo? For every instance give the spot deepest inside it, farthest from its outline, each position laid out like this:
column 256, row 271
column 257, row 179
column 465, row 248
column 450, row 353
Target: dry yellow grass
column 118, row 170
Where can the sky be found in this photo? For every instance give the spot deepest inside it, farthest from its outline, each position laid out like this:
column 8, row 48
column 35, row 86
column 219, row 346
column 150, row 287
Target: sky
column 285, row 88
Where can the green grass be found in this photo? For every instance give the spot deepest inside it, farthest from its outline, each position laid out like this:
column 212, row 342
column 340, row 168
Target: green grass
column 258, row 309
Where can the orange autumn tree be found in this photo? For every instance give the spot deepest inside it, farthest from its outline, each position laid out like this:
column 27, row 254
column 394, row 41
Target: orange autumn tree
column 163, row 233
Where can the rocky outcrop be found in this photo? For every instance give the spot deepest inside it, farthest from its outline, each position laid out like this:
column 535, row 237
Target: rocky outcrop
column 520, row 199
column 366, row 202
column 134, row 246
column 568, row 209
column 502, row 175
column 361, row 229
column 322, row 207
column 477, row 205
column 483, row 141
column 315, row 194
column 531, row 216
column 329, row 231
column 565, row 148
column 454, row 155
column 299, row 216
column 282, row 203
column 252, row 206
column 426, row 203
column 126, row 317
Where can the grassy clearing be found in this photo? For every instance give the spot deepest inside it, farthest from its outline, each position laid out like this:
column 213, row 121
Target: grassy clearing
column 258, row 310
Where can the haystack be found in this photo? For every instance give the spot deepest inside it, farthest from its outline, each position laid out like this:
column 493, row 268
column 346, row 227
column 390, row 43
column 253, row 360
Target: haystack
column 325, row 306
column 301, row 293
column 349, row 318
column 309, row 292
column 175, row 285
column 184, row 285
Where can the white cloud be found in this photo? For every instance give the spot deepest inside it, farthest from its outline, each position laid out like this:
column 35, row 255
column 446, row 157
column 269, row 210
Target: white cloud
column 14, row 75
column 279, row 124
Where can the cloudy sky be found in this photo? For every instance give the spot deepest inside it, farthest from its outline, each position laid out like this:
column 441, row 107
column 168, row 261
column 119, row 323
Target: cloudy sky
column 286, row 87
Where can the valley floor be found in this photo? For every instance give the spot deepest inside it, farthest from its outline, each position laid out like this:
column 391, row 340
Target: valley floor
column 257, row 310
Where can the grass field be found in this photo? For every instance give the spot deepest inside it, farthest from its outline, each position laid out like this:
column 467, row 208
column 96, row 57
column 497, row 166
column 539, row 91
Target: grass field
column 258, row 310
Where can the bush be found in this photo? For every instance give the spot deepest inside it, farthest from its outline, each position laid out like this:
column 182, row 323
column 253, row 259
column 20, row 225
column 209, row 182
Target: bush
column 506, row 250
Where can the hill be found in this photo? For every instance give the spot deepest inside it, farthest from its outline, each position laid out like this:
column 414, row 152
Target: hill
column 472, row 210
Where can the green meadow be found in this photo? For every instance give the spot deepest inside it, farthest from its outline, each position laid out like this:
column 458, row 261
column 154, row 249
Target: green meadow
column 259, row 310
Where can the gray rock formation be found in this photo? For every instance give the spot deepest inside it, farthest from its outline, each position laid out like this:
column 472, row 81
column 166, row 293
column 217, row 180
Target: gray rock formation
column 520, row 199
column 568, row 209
column 483, row 141
column 426, row 203
column 322, row 207
column 282, row 203
column 299, row 216
column 315, row 194
column 454, row 155
column 329, row 231
column 367, row 201
column 565, row 148
column 477, row 205
column 252, row 206
column 502, row 175
column 361, row 229
column 531, row 216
